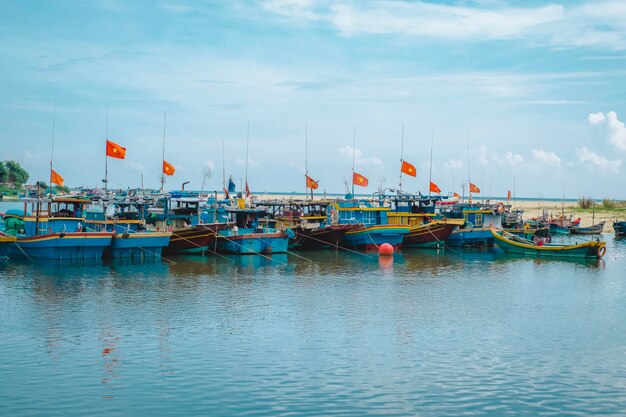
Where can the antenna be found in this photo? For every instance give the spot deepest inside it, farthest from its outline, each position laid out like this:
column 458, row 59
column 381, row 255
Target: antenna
column 54, row 118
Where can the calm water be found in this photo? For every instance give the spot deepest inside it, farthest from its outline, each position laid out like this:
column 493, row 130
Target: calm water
column 432, row 333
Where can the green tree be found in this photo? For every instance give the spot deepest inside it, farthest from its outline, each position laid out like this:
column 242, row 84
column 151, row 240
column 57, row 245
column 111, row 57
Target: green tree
column 3, row 173
column 15, row 173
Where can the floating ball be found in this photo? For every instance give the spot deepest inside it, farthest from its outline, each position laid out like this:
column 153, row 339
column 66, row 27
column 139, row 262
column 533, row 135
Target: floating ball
column 385, row 249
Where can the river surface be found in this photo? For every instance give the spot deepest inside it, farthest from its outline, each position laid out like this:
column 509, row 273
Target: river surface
column 429, row 333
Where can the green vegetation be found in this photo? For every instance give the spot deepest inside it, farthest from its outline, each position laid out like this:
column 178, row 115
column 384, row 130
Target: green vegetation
column 12, row 173
column 608, row 203
column 585, row 202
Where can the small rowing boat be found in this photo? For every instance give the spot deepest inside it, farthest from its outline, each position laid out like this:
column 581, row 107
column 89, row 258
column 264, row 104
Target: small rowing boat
column 518, row 245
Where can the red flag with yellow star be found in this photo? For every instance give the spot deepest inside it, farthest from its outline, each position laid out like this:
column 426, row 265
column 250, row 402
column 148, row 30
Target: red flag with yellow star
column 408, row 169
column 168, row 169
column 360, row 180
column 115, row 151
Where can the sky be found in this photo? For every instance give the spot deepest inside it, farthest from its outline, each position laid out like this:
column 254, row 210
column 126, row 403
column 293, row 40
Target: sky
column 524, row 93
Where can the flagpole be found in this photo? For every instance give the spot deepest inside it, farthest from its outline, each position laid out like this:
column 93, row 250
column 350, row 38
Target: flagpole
column 469, row 177
column 163, row 153
column 401, row 156
column 353, row 153
column 247, row 147
column 106, row 156
column 430, row 169
column 306, row 159
column 223, row 169
column 54, row 118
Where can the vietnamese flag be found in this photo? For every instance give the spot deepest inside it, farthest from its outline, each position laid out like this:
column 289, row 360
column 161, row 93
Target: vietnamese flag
column 247, row 190
column 457, row 195
column 115, row 151
column 56, row 178
column 358, row 179
column 408, row 169
column 434, row 188
column 311, row 183
column 168, row 169
column 508, row 196
column 474, row 189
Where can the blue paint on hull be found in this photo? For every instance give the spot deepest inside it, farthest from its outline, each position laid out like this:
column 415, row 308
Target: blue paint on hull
column 244, row 243
column 137, row 245
column 374, row 236
column 470, row 237
column 56, row 247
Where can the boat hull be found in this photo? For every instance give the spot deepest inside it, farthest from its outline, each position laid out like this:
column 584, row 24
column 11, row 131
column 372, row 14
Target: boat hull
column 591, row 250
column 252, row 243
column 195, row 239
column 471, row 237
column 89, row 245
column 619, row 228
column 429, row 235
column 138, row 245
column 5, row 243
column 323, row 237
column 369, row 238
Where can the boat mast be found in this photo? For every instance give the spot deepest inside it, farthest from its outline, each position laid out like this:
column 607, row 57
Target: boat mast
column 163, row 153
column 106, row 156
column 223, row 168
column 353, row 153
column 469, row 177
column 306, row 159
column 247, row 146
column 401, row 156
column 430, row 169
column 513, row 190
column 54, row 118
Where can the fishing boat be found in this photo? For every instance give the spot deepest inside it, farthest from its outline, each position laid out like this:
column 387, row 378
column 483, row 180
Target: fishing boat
column 375, row 228
column 251, row 232
column 517, row 245
column 185, row 215
column 131, row 238
column 54, row 230
column 619, row 227
column 427, row 230
column 5, row 243
column 311, row 222
column 595, row 229
column 477, row 219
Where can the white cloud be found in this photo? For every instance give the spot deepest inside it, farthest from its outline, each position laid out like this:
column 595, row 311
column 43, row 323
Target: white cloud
column 545, row 157
column 595, row 23
column 135, row 165
column 609, row 127
column 512, row 159
column 594, row 160
column 358, row 156
column 454, row 164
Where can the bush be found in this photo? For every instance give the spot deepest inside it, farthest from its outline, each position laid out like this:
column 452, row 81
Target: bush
column 608, row 203
column 585, row 202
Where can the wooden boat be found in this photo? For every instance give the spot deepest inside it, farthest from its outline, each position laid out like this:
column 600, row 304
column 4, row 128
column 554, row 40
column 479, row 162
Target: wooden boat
column 55, row 231
column 427, row 230
column 126, row 220
column 375, row 229
column 311, row 222
column 595, row 229
column 193, row 228
column 475, row 231
column 619, row 227
column 251, row 233
column 5, row 243
column 517, row 245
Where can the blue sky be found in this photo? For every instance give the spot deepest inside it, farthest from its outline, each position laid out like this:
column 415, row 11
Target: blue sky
column 538, row 87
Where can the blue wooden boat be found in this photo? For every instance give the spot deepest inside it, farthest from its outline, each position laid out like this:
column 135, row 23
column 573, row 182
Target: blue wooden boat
column 126, row 220
column 250, row 232
column 375, row 228
column 619, row 227
column 5, row 242
column 475, row 232
column 55, row 230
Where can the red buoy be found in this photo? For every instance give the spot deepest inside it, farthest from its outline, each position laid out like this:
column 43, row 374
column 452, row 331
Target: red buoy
column 385, row 249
